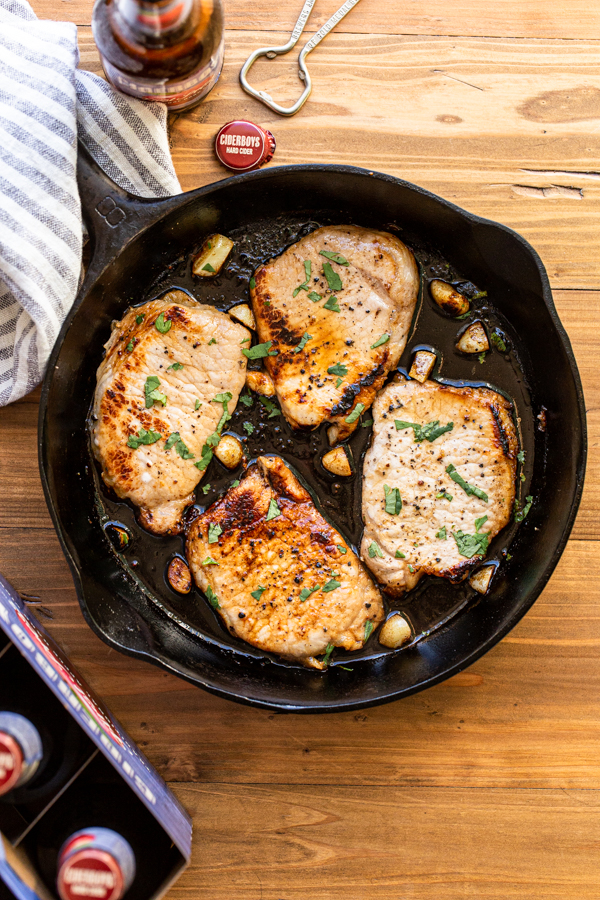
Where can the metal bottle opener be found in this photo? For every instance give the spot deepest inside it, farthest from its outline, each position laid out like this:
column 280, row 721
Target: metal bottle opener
column 272, row 52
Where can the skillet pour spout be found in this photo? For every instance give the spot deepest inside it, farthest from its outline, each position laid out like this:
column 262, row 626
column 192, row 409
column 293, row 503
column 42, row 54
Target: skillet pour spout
column 123, row 594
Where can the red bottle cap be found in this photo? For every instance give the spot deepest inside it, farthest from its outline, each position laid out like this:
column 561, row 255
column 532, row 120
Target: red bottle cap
column 11, row 762
column 90, row 874
column 242, row 145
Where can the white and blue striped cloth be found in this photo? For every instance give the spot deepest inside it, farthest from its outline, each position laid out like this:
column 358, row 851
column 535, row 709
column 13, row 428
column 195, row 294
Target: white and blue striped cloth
column 46, row 103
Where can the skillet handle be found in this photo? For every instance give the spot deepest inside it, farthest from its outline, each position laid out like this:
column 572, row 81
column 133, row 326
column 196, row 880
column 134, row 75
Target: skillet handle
column 112, row 215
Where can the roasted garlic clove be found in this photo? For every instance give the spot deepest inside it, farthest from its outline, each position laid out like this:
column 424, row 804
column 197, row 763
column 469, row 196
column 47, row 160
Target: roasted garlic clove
column 336, row 461
column 179, row 576
column 473, row 339
column 243, row 314
column 448, row 298
column 260, row 382
column 395, row 631
column 481, row 579
column 422, row 366
column 213, row 254
column 229, row 451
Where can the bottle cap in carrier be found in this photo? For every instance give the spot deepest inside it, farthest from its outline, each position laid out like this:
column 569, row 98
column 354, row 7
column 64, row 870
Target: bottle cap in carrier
column 21, row 751
column 95, row 864
column 242, row 145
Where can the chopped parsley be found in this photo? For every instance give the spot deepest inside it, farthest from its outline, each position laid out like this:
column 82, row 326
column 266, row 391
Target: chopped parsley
column 162, row 325
column 380, row 341
column 235, row 483
column 393, row 500
column 252, row 283
column 183, row 451
column 209, row 561
column 171, row 440
column 334, row 257
column 259, row 351
column 443, row 495
column 343, row 550
column 334, row 281
column 248, row 427
column 331, row 585
column 257, row 594
column 306, row 337
column 205, row 489
column 411, row 569
column 208, row 268
column 520, row 514
column 152, row 393
column 306, row 592
column 470, row 545
column 270, row 406
column 368, row 629
column 328, row 651
column 139, row 319
column 207, row 455
column 307, row 272
column 197, row 404
column 246, row 399
column 355, row 413
column 441, row 534
column 315, row 297
column 338, row 382
column 521, row 456
column 214, row 530
column 479, row 295
column 399, row 554
column 224, row 399
column 130, row 346
column 481, row 357
column 214, row 341
column 143, row 437
column 367, row 423
column 273, row 510
column 496, row 339
column 332, row 304
column 175, row 367
column 212, row 598
column 338, row 369
column 470, row 490
column 375, row 550
column 428, row 432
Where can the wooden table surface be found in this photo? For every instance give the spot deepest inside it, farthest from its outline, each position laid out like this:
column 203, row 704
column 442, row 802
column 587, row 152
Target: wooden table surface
column 487, row 786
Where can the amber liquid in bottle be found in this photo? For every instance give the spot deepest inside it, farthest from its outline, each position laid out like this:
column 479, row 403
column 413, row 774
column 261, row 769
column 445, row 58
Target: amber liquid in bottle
column 165, row 50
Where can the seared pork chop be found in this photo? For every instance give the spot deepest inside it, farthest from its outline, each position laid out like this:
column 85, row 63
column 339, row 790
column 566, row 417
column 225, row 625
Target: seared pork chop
column 171, row 370
column 337, row 307
column 280, row 576
column 438, row 480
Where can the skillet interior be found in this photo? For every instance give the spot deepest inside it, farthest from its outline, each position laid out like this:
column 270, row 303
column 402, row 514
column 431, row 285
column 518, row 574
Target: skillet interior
column 125, row 597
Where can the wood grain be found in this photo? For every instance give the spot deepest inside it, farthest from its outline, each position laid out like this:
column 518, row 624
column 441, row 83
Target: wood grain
column 478, row 18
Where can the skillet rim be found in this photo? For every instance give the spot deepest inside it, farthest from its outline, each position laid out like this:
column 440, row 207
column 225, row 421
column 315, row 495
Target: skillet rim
column 105, row 252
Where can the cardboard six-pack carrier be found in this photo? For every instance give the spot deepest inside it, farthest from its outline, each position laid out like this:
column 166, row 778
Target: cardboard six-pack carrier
column 92, row 769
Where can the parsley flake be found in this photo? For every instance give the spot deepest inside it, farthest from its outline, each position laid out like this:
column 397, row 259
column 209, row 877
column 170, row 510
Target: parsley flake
column 368, row 630
column 367, row 423
column 444, row 495
column 306, row 592
column 143, row 437
column 399, row 554
column 248, row 428
column 209, row 561
column 252, row 283
column 270, row 406
column 334, row 257
column 441, row 534
column 375, row 550
column 208, row 268
column 152, row 393
column 521, row 456
column 183, row 451
column 355, row 413
column 175, row 367
column 130, row 346
column 139, row 319
column 197, row 404
column 162, row 325
column 306, row 337
column 212, row 597
column 469, row 489
column 214, row 530
column 205, row 489
column 338, row 382
column 328, row 651
column 257, row 594
column 307, row 272
column 171, row 440
column 343, row 550
column 338, row 369
column 315, row 297
column 380, row 341
column 331, row 585
column 246, row 399
column 520, row 514
column 332, row 304
column 214, row 341
column 393, row 500
column 429, row 432
column 496, row 339
column 481, row 357
column 235, row 483
column 259, row 351
column 273, row 511
column 334, row 281
column 470, row 545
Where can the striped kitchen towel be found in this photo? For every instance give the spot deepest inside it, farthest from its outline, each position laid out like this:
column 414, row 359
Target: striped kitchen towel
column 46, row 103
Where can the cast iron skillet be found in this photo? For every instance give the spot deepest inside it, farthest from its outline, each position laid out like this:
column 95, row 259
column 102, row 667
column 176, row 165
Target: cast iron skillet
column 135, row 241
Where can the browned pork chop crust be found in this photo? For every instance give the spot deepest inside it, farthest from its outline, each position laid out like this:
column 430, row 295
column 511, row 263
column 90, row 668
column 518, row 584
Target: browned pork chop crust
column 285, row 580
column 481, row 446
column 377, row 299
column 196, row 357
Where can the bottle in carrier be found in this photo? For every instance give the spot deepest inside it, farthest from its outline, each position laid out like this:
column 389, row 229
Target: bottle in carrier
column 165, row 50
column 95, row 864
column 21, row 751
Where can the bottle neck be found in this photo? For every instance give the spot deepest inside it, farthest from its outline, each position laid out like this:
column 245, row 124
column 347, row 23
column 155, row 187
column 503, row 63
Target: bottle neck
column 154, row 23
